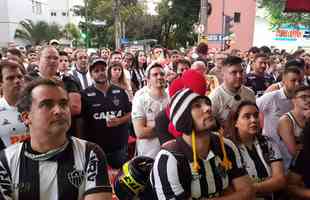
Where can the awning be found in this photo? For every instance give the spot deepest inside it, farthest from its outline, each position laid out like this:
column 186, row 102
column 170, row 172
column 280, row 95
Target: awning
column 297, row 6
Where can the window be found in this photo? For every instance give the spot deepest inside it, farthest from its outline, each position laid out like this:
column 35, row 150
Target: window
column 39, row 8
column 237, row 16
column 33, row 6
column 64, row 14
column 36, row 7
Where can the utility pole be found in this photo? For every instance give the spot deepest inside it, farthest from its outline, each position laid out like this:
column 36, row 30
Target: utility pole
column 117, row 24
column 86, row 24
column 223, row 25
column 204, row 20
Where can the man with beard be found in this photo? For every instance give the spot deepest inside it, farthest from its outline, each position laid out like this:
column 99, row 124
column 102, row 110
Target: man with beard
column 147, row 103
column 274, row 104
column 12, row 129
column 106, row 112
column 258, row 80
column 201, row 164
column 51, row 165
column 226, row 98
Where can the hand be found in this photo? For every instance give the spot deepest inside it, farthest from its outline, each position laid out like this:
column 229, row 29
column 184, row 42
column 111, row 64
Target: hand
column 113, row 122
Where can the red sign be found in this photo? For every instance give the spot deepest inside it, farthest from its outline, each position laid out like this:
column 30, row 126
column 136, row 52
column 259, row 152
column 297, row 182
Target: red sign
column 297, row 6
column 289, row 33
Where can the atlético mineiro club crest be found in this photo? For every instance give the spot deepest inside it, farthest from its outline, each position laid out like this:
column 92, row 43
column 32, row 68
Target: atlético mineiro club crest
column 76, row 178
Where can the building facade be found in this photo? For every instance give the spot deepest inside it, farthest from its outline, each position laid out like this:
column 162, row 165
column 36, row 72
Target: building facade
column 51, row 11
column 242, row 14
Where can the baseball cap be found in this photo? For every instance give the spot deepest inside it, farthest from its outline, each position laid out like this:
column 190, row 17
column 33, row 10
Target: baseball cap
column 96, row 61
column 54, row 41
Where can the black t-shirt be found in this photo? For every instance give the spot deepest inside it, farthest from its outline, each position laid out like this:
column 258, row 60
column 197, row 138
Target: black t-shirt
column 258, row 83
column 96, row 106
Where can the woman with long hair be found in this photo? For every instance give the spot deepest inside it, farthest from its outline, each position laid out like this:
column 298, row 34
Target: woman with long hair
column 116, row 77
column 261, row 156
column 138, row 70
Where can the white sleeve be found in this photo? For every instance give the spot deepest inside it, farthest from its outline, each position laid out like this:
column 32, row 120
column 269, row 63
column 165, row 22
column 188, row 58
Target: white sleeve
column 138, row 111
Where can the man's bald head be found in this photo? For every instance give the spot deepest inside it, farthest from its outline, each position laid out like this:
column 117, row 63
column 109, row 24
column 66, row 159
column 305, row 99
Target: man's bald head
column 199, row 66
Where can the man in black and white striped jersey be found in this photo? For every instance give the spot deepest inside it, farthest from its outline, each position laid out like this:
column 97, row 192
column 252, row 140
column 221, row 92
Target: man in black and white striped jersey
column 51, row 166
column 201, row 164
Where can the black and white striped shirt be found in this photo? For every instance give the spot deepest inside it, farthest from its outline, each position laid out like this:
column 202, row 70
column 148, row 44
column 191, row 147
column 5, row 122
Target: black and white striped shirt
column 257, row 160
column 172, row 176
column 78, row 169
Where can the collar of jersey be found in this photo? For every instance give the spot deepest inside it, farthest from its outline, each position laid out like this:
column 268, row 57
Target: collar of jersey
column 44, row 156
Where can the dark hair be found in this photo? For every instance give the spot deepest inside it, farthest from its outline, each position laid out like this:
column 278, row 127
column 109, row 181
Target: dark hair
column 63, row 53
column 202, row 48
column 115, row 52
column 173, row 52
column 301, row 89
column 25, row 98
column 31, row 51
column 298, row 62
column 232, row 60
column 231, row 130
column 180, row 61
column 136, row 60
column 128, row 54
column 122, row 79
column 15, row 52
column 156, row 47
column 12, row 65
column 254, row 50
column 265, row 50
column 298, row 52
column 150, row 67
column 294, row 70
column 260, row 55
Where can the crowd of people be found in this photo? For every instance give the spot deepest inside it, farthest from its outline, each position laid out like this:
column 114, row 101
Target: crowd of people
column 199, row 124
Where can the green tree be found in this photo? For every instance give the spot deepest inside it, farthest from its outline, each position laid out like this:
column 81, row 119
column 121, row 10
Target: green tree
column 103, row 10
column 177, row 18
column 277, row 17
column 37, row 33
column 72, row 32
column 54, row 31
column 143, row 27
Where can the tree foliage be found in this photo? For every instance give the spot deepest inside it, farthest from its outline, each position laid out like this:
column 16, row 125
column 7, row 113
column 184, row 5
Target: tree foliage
column 104, row 11
column 72, row 32
column 38, row 32
column 177, row 18
column 277, row 16
column 143, row 27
